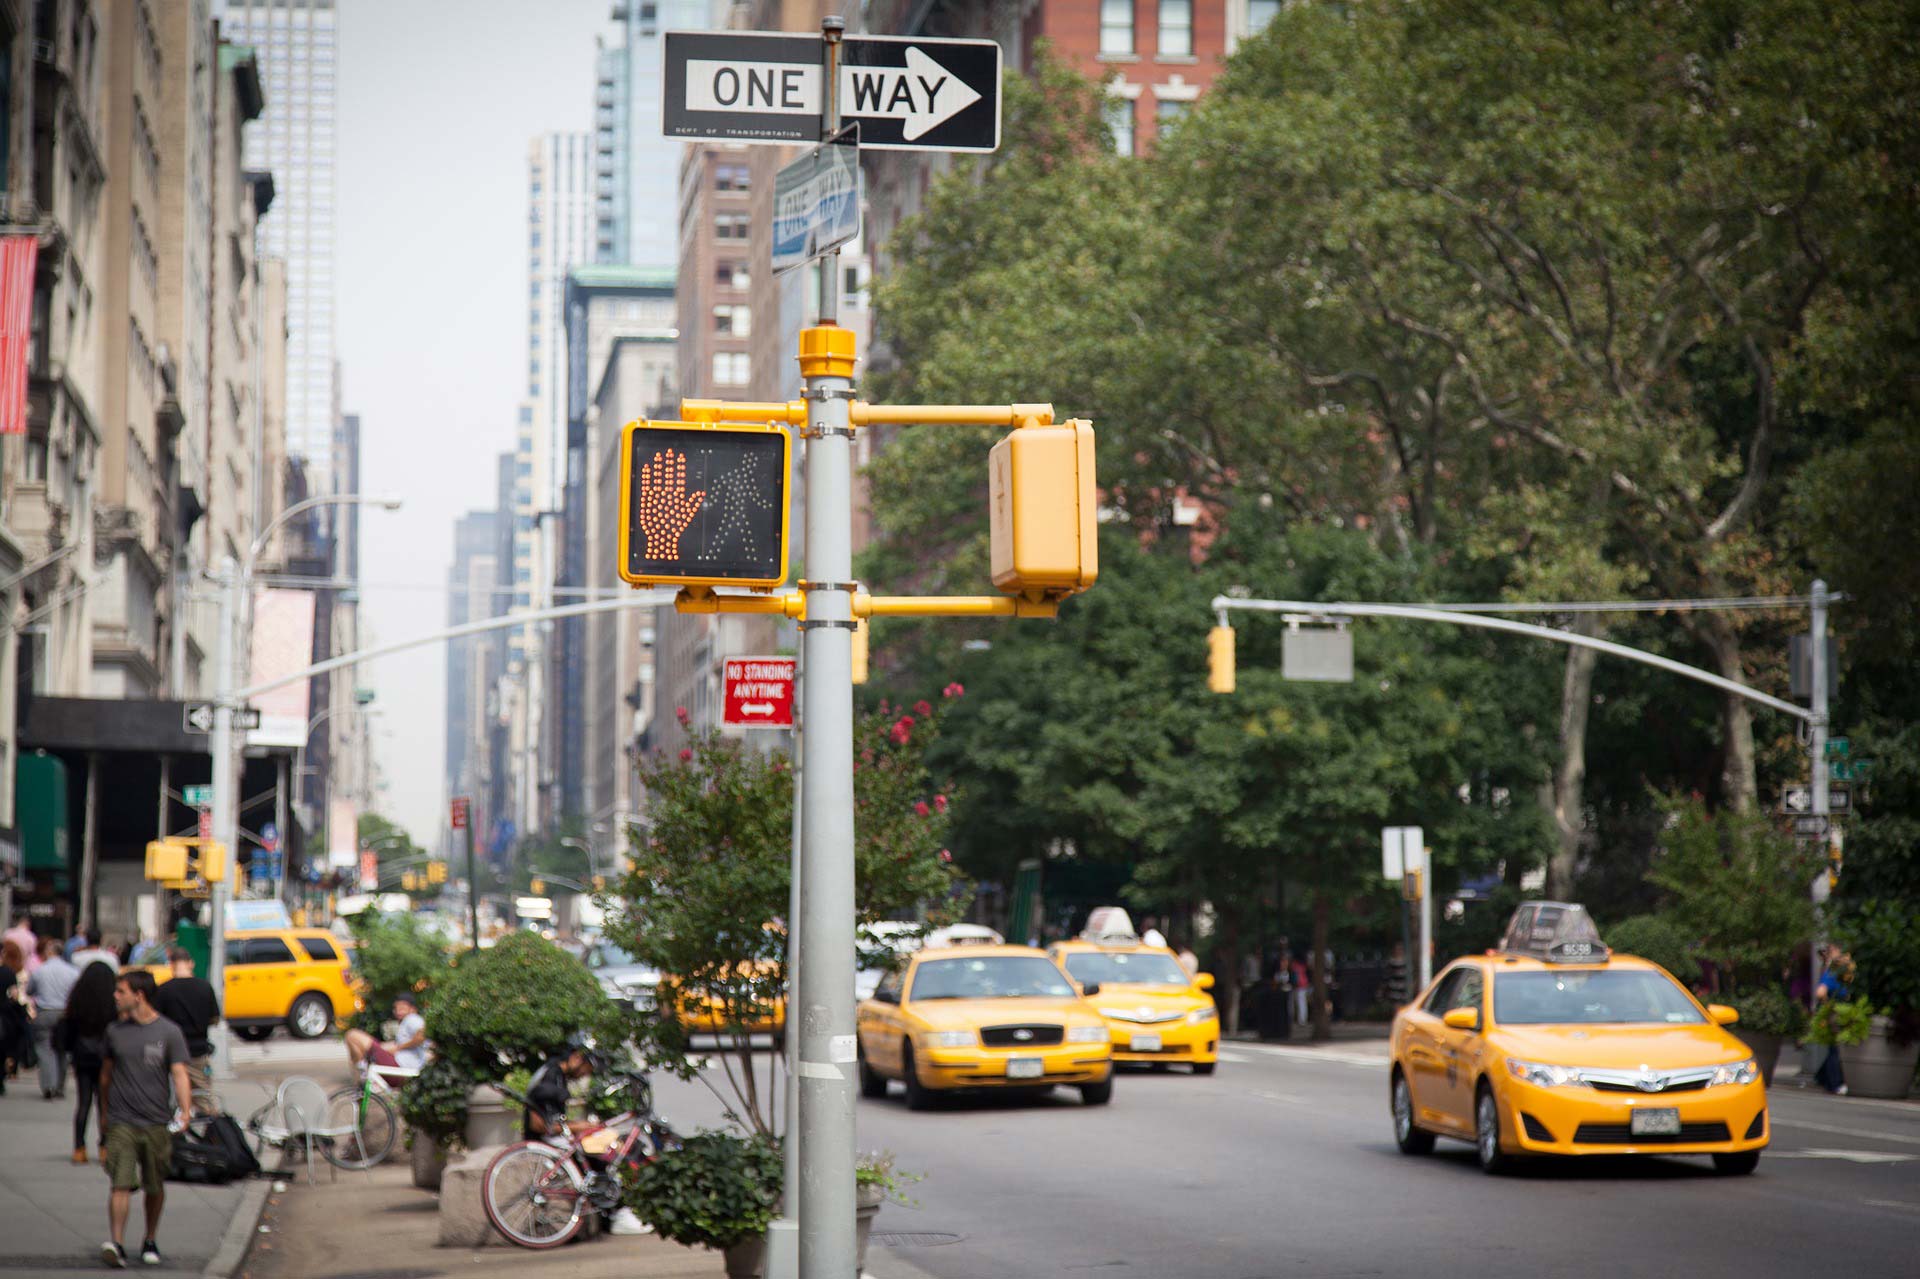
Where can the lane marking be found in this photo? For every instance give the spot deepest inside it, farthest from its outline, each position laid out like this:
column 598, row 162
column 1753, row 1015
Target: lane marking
column 1335, row 1055
column 1234, row 1058
column 1844, row 1132
column 1851, row 1156
column 1893, row 1203
column 1288, row 1098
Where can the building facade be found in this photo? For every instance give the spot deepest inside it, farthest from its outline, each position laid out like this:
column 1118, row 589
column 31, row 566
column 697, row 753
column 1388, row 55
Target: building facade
column 634, row 205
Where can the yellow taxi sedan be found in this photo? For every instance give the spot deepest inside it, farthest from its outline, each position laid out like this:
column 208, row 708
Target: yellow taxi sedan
column 981, row 1017
column 1155, row 1011
column 1554, row 1046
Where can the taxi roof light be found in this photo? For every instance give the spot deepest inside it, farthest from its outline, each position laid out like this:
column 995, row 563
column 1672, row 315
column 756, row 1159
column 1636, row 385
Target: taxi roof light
column 1555, row 933
column 1110, row 925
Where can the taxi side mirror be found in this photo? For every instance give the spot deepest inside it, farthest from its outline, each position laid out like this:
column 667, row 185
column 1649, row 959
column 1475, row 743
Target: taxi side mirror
column 1723, row 1015
column 1203, row 981
column 1462, row 1018
column 1089, row 990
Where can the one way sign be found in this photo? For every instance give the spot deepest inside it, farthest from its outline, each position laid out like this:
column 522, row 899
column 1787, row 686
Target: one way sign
column 907, row 93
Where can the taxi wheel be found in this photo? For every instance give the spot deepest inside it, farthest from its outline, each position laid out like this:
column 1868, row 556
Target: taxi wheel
column 1737, row 1164
column 1203, row 1067
column 1411, row 1139
column 1486, row 1133
column 872, row 1082
column 1097, row 1094
column 919, row 1096
column 310, row 1016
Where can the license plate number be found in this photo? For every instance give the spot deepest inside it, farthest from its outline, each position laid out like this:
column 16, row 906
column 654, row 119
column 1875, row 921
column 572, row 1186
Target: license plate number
column 1144, row 1044
column 1655, row 1123
column 1026, row 1068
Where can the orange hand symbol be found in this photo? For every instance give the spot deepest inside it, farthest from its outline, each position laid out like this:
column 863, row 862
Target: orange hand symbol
column 666, row 508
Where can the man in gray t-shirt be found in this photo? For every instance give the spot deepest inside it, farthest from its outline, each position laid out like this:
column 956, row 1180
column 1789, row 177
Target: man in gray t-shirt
column 143, row 1090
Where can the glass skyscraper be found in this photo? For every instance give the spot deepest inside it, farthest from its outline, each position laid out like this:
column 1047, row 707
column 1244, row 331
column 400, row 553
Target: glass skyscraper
column 636, row 167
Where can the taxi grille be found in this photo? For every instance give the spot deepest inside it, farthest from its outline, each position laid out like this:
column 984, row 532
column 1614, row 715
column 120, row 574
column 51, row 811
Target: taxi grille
column 1621, row 1135
column 1021, row 1036
column 1684, row 1085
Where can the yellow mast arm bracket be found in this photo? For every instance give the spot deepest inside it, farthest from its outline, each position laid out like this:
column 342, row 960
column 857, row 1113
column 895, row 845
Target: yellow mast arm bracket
column 861, row 413
column 793, row 605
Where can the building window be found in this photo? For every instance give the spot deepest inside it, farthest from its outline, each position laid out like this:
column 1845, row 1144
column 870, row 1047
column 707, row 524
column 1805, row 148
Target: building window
column 1167, row 111
column 733, row 321
column 730, row 368
column 1176, row 28
column 731, row 226
column 730, row 177
column 1260, row 13
column 1119, row 113
column 1116, row 26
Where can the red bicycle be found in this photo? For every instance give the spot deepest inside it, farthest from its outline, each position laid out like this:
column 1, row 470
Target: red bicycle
column 538, row 1193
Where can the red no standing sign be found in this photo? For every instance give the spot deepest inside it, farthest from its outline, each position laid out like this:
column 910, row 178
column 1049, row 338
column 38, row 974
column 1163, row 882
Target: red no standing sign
column 759, row 692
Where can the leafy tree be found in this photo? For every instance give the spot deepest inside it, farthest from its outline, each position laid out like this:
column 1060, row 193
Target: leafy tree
column 1736, row 889
column 394, row 955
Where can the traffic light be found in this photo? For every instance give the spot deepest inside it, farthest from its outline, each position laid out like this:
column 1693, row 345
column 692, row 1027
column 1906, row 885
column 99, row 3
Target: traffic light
column 1044, row 511
column 860, row 650
column 1220, row 659
column 436, row 872
column 166, row 860
column 704, row 505
column 406, row 881
column 538, row 887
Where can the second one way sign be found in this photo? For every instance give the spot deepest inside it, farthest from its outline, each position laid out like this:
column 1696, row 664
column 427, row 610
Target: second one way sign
column 759, row 692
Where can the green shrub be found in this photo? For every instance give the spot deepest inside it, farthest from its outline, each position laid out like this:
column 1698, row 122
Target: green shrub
column 1766, row 1010
column 1737, row 886
column 1883, row 937
column 1657, row 938
column 516, row 1004
column 393, row 955
column 1843, row 1021
column 717, row 1190
column 435, row 1102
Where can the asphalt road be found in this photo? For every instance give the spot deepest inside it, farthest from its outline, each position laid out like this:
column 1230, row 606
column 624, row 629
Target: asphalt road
column 1283, row 1164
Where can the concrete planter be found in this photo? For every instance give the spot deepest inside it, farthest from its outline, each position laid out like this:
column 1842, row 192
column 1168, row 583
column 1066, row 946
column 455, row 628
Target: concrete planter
column 429, row 1162
column 1879, row 1068
column 863, row 1229
column 463, row 1216
column 1765, row 1049
column 489, row 1122
column 747, row 1259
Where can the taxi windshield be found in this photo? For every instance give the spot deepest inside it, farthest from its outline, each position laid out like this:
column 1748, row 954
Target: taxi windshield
column 989, row 977
column 1111, row 969
column 1586, row 997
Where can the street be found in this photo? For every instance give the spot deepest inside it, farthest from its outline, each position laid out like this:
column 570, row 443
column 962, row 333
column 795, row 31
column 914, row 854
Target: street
column 1283, row 1164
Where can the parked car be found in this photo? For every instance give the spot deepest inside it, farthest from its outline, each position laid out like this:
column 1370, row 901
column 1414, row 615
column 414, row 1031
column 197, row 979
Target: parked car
column 293, row 977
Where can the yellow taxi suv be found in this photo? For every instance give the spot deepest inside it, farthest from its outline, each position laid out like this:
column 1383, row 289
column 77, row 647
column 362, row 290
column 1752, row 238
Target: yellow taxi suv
column 1155, row 1010
column 981, row 1017
column 1553, row 1045
column 293, row 977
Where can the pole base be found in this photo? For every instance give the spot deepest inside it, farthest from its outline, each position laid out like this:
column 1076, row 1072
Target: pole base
column 783, row 1248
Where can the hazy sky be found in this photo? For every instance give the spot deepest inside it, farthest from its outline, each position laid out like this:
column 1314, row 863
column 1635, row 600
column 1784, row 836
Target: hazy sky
column 437, row 102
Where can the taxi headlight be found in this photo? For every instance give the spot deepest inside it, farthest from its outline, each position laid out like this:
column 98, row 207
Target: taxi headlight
column 1087, row 1034
column 1740, row 1072
column 1540, row 1075
column 948, row 1039
column 1198, row 1015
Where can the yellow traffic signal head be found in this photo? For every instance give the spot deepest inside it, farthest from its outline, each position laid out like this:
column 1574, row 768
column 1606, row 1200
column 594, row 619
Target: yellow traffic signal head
column 166, row 860
column 704, row 504
column 860, row 650
column 538, row 887
column 1220, row 659
column 1044, row 511
column 406, row 881
column 212, row 862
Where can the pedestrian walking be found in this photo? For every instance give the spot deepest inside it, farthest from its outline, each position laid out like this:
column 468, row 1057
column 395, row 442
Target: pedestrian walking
column 49, row 987
column 1834, row 986
column 21, row 935
column 189, row 1003
column 144, row 1100
column 83, row 1037
column 1302, row 988
column 16, row 1028
column 92, row 951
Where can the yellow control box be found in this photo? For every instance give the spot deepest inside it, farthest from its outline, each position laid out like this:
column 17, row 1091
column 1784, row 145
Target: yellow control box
column 166, row 860
column 1044, row 510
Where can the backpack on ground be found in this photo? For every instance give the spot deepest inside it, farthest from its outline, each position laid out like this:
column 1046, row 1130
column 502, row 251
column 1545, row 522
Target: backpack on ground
column 212, row 1151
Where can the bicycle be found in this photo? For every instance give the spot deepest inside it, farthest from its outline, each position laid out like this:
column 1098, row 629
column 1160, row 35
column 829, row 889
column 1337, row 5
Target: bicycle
column 538, row 1192
column 368, row 1110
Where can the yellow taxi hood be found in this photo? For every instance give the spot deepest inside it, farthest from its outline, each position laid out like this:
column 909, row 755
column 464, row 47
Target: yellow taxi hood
column 967, row 1014
column 1127, row 996
column 1621, row 1047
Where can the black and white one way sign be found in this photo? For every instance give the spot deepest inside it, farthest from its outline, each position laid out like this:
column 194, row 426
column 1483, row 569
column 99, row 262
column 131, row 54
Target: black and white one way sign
column 908, row 94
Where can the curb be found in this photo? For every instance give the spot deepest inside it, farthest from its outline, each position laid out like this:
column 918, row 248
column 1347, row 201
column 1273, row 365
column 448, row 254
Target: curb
column 240, row 1231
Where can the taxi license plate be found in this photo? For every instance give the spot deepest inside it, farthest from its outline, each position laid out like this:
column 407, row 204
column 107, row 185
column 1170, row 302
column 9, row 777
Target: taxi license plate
column 1655, row 1123
column 1144, row 1044
column 1026, row 1068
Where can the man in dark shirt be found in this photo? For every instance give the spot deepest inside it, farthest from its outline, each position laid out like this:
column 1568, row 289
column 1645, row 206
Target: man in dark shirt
column 549, row 1094
column 144, row 1099
column 189, row 1003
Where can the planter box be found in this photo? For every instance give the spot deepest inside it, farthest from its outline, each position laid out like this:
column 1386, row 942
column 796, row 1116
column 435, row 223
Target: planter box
column 748, row 1260
column 489, row 1122
column 1879, row 1068
column 1765, row 1048
column 429, row 1162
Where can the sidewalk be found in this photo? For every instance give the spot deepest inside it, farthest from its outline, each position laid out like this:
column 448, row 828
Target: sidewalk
column 53, row 1213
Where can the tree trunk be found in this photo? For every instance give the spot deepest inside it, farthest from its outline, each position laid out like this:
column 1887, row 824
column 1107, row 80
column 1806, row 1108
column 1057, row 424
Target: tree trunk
column 1737, row 783
column 1570, row 775
column 1322, row 1024
column 1226, row 960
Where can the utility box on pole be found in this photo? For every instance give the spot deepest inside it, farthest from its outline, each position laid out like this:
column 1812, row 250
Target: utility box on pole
column 1044, row 511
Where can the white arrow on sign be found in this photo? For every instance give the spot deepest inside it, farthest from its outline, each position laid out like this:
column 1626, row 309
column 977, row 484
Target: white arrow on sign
column 200, row 718
column 922, row 95
column 1797, row 799
column 756, row 708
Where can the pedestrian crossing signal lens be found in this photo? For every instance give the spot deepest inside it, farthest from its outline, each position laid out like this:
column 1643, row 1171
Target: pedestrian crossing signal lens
column 704, row 505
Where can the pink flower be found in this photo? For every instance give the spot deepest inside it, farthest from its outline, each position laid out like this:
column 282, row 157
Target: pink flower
column 920, row 808
column 680, row 713
column 940, row 802
column 902, row 732
column 953, row 690
column 946, row 855
column 922, row 708
column 686, row 756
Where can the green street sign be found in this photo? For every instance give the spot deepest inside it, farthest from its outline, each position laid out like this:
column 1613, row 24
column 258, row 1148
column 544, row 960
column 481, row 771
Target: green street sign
column 198, row 796
column 1837, row 747
column 1849, row 770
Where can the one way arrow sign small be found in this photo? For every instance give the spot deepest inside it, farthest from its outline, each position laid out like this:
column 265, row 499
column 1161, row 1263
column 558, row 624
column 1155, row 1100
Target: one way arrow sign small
column 907, row 94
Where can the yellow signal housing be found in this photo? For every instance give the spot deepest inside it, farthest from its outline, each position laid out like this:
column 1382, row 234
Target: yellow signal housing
column 406, row 881
column 212, row 862
column 599, row 883
column 860, row 650
column 704, row 503
column 539, row 887
column 166, row 860
column 1044, row 511
column 1220, row 659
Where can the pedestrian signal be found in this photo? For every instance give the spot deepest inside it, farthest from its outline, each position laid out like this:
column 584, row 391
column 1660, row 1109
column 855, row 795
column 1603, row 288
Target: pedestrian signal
column 436, row 872
column 166, row 860
column 1043, row 511
column 859, row 666
column 1220, row 659
column 704, row 505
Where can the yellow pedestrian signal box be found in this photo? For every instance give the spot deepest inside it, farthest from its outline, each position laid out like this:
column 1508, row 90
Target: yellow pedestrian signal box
column 1044, row 511
column 436, row 872
column 859, row 665
column 704, row 504
column 184, row 863
column 1220, row 659
column 166, row 860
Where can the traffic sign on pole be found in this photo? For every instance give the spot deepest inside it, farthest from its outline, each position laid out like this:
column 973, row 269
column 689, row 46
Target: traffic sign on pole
column 197, row 717
column 816, row 201
column 704, row 505
column 458, row 812
column 199, row 795
column 907, row 93
column 759, row 692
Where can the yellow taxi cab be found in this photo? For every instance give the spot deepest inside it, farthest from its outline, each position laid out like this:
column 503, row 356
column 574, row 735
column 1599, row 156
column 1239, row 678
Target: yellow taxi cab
column 293, row 977
column 1155, row 1010
column 700, row 1012
column 1553, row 1045
column 981, row 1016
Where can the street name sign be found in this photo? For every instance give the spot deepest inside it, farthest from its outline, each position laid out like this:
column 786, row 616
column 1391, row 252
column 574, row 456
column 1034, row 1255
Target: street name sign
column 704, row 505
column 197, row 717
column 759, row 692
column 908, row 93
column 1799, row 799
column 199, row 795
column 816, row 201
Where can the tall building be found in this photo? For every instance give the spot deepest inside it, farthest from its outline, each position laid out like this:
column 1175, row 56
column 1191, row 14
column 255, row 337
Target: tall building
column 296, row 44
column 635, row 207
column 472, row 661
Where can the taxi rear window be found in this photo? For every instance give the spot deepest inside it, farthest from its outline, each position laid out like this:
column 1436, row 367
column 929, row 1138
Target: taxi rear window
column 1591, row 997
column 321, row 949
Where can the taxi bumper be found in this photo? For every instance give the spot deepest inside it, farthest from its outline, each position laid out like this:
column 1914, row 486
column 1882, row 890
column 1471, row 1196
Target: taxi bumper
column 1580, row 1120
column 981, row 1067
column 1165, row 1041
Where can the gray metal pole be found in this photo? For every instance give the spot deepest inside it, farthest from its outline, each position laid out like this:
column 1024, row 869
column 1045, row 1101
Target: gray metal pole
column 824, row 1024
column 473, row 882
column 226, row 803
column 282, row 812
column 783, row 1237
column 1817, row 743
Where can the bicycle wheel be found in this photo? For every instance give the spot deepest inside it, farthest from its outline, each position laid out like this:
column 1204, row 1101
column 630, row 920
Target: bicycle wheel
column 364, row 1125
column 534, row 1195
